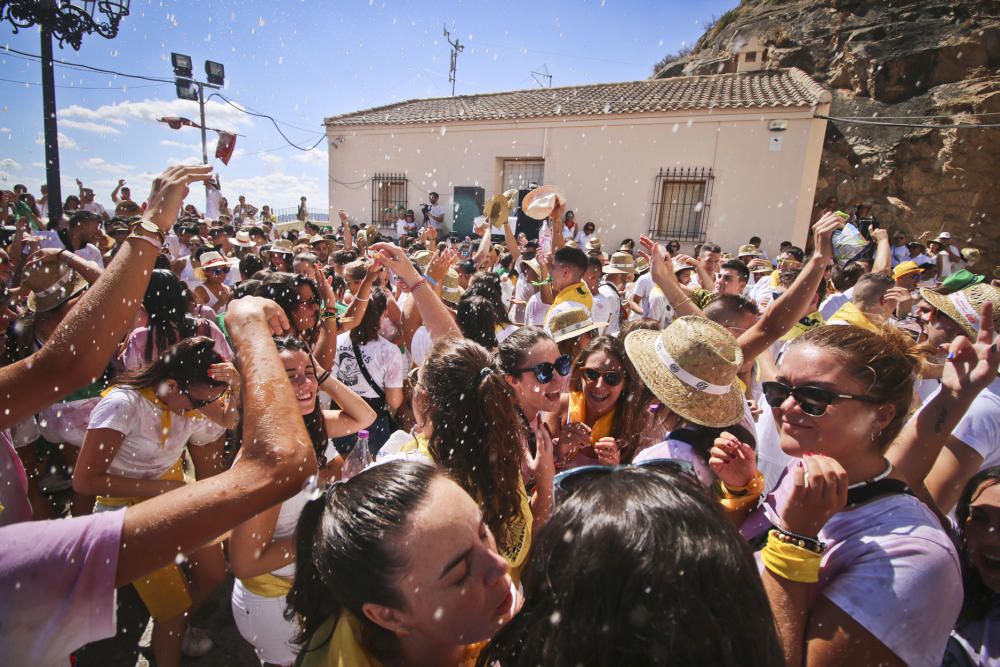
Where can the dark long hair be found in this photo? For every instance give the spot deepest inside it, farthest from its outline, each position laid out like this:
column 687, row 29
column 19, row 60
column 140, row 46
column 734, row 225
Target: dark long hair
column 283, row 289
column 368, row 329
column 977, row 594
column 315, row 424
column 344, row 550
column 166, row 304
column 477, row 319
column 621, row 429
column 186, row 363
column 487, row 285
column 639, row 567
column 515, row 348
column 475, row 433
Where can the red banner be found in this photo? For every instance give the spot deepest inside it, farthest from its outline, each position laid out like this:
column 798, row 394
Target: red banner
column 224, row 149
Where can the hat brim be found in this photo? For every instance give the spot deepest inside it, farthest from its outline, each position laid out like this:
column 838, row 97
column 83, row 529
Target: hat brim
column 612, row 269
column 943, row 303
column 716, row 411
column 908, row 273
column 577, row 332
column 241, row 244
column 540, row 212
column 502, row 210
column 53, row 301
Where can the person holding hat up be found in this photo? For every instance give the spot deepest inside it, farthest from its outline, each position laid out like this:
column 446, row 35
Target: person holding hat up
column 617, row 274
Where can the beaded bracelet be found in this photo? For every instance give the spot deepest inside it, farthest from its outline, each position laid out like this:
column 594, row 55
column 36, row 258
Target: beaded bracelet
column 790, row 561
column 789, row 537
column 407, row 288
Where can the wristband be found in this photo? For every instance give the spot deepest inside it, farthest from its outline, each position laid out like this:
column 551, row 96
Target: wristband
column 790, row 561
column 753, row 488
column 148, row 239
column 810, row 543
column 431, row 281
column 408, row 288
column 358, row 298
column 323, row 378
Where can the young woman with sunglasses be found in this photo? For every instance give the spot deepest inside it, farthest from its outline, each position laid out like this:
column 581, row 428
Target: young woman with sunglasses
column 856, row 568
column 132, row 452
column 469, row 420
column 213, row 291
column 589, row 423
column 637, row 566
column 262, row 550
column 397, row 566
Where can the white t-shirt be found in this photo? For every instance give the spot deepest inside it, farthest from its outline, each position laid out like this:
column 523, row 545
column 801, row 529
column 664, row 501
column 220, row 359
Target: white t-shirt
column 143, row 454
column 900, row 254
column 94, row 207
column 382, row 359
column 660, row 308
column 889, row 566
column 606, row 308
column 89, row 252
column 438, row 211
column 643, row 287
column 832, row 303
column 213, row 200
column 980, row 427
column 534, row 314
column 401, row 227
column 420, row 345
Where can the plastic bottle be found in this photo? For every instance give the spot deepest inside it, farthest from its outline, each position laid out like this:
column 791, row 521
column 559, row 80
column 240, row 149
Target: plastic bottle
column 545, row 237
column 359, row 458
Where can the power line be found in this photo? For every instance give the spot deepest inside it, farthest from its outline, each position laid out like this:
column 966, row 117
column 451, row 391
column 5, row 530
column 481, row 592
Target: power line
column 273, row 122
column 33, row 83
column 932, row 126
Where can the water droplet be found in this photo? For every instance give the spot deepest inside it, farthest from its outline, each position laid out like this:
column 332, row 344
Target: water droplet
column 180, row 558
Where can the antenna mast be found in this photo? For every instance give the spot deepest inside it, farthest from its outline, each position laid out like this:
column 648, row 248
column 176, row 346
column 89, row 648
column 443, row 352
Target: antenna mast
column 456, row 48
column 544, row 74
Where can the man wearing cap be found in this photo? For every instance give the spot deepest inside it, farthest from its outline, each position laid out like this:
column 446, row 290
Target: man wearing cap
column 80, row 237
column 87, row 202
column 617, row 272
column 974, row 444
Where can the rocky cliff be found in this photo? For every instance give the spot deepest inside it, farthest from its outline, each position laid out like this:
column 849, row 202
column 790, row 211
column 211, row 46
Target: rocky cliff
column 901, row 63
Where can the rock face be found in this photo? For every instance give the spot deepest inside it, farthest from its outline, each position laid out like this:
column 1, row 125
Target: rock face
column 933, row 62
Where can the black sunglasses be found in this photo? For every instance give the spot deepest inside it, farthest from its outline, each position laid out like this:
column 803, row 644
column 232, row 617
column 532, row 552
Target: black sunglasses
column 198, row 403
column 545, row 371
column 611, row 378
column 569, row 481
column 813, row 400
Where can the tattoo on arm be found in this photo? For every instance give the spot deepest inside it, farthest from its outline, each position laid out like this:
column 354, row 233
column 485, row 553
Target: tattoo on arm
column 942, row 418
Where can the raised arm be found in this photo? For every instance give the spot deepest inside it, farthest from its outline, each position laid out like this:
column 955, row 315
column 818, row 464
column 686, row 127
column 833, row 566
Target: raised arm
column 101, row 318
column 436, row 317
column 782, row 314
column 883, row 253
column 345, row 223
column 485, row 243
column 114, row 193
column 664, row 278
column 276, row 457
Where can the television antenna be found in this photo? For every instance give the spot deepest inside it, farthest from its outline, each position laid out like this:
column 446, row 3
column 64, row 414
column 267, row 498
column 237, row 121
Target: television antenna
column 544, row 74
column 456, row 48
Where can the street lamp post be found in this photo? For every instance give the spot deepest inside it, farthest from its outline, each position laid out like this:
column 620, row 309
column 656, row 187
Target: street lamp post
column 190, row 89
column 67, row 21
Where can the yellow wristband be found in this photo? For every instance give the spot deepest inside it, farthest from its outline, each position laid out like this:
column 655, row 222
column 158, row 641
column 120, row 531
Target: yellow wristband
column 754, row 488
column 791, row 562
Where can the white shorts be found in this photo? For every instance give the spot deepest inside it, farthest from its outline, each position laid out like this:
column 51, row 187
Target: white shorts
column 67, row 422
column 262, row 623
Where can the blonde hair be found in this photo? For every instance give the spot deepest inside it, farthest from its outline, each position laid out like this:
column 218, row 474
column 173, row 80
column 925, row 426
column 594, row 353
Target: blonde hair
column 888, row 359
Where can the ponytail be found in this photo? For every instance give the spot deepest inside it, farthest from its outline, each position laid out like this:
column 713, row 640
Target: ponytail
column 309, row 599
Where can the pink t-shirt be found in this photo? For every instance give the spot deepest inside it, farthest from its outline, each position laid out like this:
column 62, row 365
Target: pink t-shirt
column 889, row 565
column 13, row 484
column 134, row 354
column 57, row 583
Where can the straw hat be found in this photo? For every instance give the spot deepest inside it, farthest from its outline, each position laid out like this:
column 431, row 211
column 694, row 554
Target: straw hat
column 422, row 259
column 212, row 259
column 572, row 244
column 971, row 256
column 496, row 210
column 760, row 266
column 593, row 243
column 242, row 239
column 905, row 269
column 944, row 236
column 691, row 366
column 51, row 285
column 533, row 265
column 965, row 307
column 451, row 290
column 641, row 264
column 621, row 262
column 538, row 203
column 748, row 250
column 680, row 266
column 571, row 323
column 283, row 246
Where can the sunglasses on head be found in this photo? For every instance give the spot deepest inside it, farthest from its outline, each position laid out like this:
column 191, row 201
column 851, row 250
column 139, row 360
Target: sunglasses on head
column 813, row 400
column 569, row 481
column 545, row 371
column 611, row 378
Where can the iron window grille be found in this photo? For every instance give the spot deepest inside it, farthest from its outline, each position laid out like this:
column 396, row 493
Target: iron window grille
column 518, row 174
column 681, row 198
column 388, row 194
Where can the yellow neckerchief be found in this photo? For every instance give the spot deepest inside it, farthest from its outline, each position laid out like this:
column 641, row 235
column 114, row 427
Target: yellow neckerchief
column 575, row 293
column 578, row 413
column 166, row 414
column 174, row 474
column 268, row 585
column 342, row 648
column 852, row 315
column 807, row 323
column 774, row 277
column 518, row 527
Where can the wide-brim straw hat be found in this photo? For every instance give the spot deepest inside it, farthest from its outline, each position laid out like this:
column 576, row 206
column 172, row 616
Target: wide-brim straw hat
column 965, row 307
column 51, row 285
column 422, row 259
column 211, row 260
column 451, row 289
column 748, row 250
column 242, row 239
column 691, row 366
column 283, row 246
column 971, row 256
column 680, row 266
column 641, row 264
column 496, row 210
column 571, row 323
column 594, row 243
column 533, row 265
column 621, row 262
column 538, row 203
column 760, row 266
column 318, row 238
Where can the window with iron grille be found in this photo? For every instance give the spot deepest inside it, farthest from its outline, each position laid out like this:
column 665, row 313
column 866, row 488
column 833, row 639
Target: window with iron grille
column 680, row 205
column 518, row 174
column 388, row 194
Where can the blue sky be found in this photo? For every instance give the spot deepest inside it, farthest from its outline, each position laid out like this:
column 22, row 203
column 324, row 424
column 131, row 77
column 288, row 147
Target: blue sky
column 301, row 61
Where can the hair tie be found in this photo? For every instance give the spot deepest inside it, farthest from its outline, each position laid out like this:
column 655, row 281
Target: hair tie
column 484, row 372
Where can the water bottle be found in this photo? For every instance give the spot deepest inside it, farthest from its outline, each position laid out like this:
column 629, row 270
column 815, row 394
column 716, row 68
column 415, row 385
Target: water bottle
column 359, row 458
column 545, row 237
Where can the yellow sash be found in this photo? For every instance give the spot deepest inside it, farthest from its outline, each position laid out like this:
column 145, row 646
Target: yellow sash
column 166, row 414
column 805, row 324
column 577, row 293
column 268, row 585
column 852, row 315
column 344, row 650
column 174, row 474
column 578, row 413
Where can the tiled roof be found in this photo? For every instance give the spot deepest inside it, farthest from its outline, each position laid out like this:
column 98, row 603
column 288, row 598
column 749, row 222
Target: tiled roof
column 745, row 90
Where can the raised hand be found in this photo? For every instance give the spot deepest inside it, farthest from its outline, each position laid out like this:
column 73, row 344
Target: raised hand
column 225, row 372
column 440, row 262
column 608, row 452
column 823, row 234
column 542, row 465
column 168, row 193
column 395, row 258
column 971, row 367
column 819, row 490
column 879, row 235
column 732, row 461
column 659, row 260
column 241, row 312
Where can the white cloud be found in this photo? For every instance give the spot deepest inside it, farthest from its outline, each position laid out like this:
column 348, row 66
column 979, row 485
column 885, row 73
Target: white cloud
column 88, row 126
column 9, row 164
column 179, row 144
column 279, row 190
column 316, row 157
column 100, row 164
column 217, row 114
column 271, row 160
column 65, row 142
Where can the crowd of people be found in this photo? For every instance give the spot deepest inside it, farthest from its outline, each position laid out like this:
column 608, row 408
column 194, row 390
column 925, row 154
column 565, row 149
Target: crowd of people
column 534, row 450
